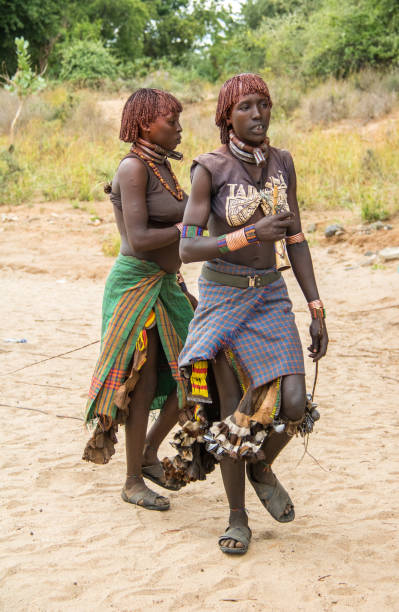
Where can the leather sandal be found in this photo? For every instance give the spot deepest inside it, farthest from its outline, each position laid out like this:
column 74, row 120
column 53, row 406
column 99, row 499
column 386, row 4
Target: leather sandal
column 146, row 499
column 238, row 534
column 274, row 498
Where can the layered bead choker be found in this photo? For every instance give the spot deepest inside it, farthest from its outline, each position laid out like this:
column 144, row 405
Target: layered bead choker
column 157, row 151
column 246, row 153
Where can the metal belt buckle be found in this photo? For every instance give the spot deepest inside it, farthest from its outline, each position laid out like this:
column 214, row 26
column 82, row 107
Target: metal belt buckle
column 253, row 281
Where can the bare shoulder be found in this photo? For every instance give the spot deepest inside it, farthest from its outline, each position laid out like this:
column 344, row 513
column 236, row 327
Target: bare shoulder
column 132, row 172
column 131, row 165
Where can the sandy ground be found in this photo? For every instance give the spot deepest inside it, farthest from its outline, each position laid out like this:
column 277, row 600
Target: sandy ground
column 68, row 542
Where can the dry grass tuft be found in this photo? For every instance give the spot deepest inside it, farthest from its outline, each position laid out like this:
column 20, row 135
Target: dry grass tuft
column 365, row 97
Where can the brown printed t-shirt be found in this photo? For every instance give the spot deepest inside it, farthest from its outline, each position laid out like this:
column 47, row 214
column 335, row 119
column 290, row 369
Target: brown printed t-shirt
column 235, row 196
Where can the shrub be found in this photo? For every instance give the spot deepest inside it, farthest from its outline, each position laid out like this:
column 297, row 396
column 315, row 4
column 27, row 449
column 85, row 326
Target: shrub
column 372, row 209
column 87, row 62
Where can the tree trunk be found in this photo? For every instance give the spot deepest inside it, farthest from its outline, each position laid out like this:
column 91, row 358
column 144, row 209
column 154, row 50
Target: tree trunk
column 14, row 121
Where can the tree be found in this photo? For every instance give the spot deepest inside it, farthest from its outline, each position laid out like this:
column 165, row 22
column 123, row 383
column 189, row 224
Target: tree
column 24, row 83
column 39, row 21
column 178, row 27
column 122, row 25
column 347, row 35
column 255, row 11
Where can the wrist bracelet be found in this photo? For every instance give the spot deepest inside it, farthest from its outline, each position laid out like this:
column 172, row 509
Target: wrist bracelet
column 317, row 309
column 237, row 240
column 191, row 231
column 250, row 234
column 295, row 238
column 179, row 227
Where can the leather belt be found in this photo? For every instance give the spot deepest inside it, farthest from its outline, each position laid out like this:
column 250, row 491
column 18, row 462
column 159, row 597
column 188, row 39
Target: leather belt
column 242, row 282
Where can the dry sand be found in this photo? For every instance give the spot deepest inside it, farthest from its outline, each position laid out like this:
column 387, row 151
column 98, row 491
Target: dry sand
column 68, row 542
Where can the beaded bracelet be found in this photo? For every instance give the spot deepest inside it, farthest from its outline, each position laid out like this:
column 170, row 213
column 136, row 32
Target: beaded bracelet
column 317, row 309
column 179, row 227
column 296, row 238
column 237, row 240
column 191, row 231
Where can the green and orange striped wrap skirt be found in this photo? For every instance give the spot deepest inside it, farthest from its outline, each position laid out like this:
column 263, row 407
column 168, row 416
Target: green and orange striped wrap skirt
column 133, row 289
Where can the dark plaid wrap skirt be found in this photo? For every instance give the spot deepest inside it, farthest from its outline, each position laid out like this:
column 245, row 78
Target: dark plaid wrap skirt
column 257, row 324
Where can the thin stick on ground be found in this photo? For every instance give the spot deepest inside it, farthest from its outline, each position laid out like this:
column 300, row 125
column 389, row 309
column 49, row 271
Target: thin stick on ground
column 49, row 358
column 46, row 412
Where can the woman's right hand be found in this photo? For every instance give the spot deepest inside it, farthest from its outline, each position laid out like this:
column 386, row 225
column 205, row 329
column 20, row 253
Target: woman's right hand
column 273, row 227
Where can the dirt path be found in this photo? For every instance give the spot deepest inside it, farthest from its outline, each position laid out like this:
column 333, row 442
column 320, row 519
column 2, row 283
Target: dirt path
column 68, row 542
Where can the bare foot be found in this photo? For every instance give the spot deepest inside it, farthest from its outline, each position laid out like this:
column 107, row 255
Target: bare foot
column 238, row 518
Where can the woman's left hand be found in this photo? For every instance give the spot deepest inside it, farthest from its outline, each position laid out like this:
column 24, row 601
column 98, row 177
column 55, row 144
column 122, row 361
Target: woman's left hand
column 319, row 335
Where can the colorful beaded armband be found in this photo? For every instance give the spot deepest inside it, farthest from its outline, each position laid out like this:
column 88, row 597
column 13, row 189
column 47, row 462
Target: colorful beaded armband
column 191, row 231
column 250, row 234
column 222, row 244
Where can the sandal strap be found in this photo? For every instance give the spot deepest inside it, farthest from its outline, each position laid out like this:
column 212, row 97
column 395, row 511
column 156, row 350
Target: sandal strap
column 150, row 497
column 238, row 534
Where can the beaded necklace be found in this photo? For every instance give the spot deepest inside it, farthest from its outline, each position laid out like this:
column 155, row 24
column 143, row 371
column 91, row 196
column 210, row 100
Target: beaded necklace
column 178, row 194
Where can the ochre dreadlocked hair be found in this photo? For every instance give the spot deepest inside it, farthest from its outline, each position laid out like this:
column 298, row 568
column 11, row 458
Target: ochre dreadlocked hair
column 142, row 108
column 230, row 93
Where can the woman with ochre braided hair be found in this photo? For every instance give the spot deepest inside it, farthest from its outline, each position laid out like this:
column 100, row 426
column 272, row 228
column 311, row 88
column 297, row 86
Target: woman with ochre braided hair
column 243, row 351
column 145, row 311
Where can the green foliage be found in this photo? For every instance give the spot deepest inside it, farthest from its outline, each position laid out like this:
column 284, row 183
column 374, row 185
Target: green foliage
column 38, row 21
column 87, row 62
column 122, row 24
column 312, row 38
column 346, row 35
column 25, row 81
column 372, row 209
column 309, row 38
column 178, row 27
column 255, row 11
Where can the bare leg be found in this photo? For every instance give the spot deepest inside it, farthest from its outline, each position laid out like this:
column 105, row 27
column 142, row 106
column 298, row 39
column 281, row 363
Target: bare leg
column 293, row 399
column 160, row 429
column 136, row 424
column 233, row 472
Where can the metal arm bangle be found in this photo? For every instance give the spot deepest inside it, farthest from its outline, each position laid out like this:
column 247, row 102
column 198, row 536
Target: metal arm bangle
column 296, row 238
column 317, row 309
